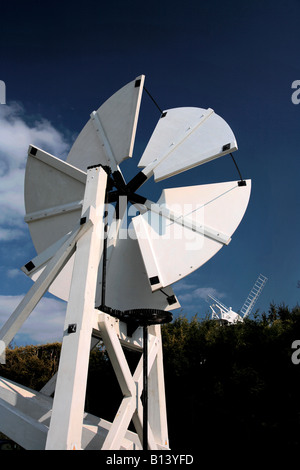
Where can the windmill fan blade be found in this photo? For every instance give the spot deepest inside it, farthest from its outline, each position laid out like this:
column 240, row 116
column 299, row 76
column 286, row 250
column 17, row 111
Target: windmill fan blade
column 127, row 282
column 54, row 191
column 173, row 238
column 62, row 284
column 207, row 216
column 184, row 138
column 53, row 194
column 108, row 136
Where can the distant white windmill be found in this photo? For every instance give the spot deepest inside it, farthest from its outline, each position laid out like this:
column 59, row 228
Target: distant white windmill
column 221, row 312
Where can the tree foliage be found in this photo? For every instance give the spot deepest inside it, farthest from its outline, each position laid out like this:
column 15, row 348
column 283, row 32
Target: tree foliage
column 225, row 384
column 31, row 366
column 233, row 383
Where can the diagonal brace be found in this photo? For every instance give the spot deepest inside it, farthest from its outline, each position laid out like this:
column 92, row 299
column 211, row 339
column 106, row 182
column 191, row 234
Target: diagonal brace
column 33, row 296
column 131, row 386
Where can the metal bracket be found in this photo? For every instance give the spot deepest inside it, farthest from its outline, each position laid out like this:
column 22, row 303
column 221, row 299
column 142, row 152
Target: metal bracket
column 72, row 328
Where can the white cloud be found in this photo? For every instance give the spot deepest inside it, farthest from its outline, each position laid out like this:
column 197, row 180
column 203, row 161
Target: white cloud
column 16, row 134
column 44, row 325
column 201, row 293
column 184, row 285
column 7, row 233
column 13, row 272
column 189, row 293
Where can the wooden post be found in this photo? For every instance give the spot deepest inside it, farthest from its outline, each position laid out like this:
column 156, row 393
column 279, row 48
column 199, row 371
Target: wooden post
column 68, row 407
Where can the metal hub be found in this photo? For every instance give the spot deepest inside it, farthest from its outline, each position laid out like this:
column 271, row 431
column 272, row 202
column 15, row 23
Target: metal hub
column 139, row 317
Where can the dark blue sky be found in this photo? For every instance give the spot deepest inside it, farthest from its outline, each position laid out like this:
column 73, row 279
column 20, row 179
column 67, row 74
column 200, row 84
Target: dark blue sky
column 61, row 60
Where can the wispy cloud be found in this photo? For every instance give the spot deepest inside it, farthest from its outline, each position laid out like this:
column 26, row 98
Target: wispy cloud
column 17, row 132
column 185, row 285
column 194, row 297
column 13, row 273
column 45, row 324
column 201, row 293
column 9, row 233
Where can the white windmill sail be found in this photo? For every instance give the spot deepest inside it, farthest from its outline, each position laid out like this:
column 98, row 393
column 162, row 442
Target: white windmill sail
column 54, row 191
column 184, row 138
column 51, row 215
column 206, row 216
column 174, row 244
column 53, row 194
column 108, row 137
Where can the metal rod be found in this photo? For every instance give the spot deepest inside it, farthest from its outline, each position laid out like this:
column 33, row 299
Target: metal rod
column 150, row 96
column 104, row 254
column 145, row 387
column 236, row 167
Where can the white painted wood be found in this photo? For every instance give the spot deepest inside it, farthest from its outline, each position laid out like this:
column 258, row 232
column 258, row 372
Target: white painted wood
column 127, row 282
column 157, row 428
column 178, row 250
column 131, row 386
column 25, row 431
column 44, row 257
column 65, row 430
column 156, row 393
column 185, row 138
column 127, row 285
column 154, row 349
column 33, row 296
column 188, row 222
column 57, row 164
column 223, row 204
column 133, row 342
column 141, row 225
column 57, row 195
column 109, row 155
column 51, row 183
column 147, row 249
column 118, row 116
column 56, row 210
column 116, row 354
column 25, row 415
column 95, row 431
column 49, row 388
column 120, row 424
column 53, row 189
column 61, row 285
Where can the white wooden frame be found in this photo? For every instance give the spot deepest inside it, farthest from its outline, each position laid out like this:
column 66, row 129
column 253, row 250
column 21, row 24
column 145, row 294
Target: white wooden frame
column 132, row 387
column 81, row 323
